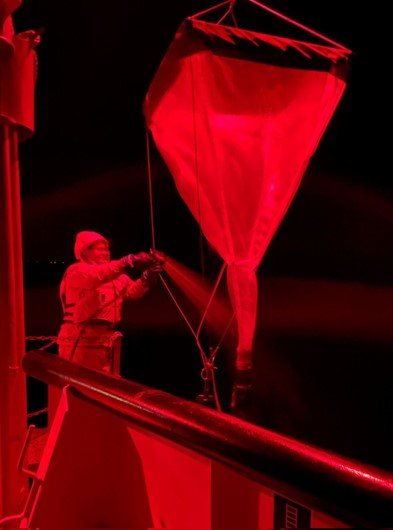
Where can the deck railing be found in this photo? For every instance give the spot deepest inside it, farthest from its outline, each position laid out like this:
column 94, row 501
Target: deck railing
column 346, row 490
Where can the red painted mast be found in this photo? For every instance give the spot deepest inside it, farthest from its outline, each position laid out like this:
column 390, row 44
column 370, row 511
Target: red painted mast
column 17, row 72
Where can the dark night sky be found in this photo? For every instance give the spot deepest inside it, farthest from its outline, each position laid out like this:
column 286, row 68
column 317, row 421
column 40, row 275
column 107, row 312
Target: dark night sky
column 98, row 58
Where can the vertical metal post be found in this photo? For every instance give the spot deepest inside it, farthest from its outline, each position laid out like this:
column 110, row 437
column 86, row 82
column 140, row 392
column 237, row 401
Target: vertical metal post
column 13, row 413
column 17, row 79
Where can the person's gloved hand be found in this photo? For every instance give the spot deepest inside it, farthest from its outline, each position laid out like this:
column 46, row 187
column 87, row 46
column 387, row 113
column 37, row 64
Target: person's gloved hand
column 32, row 35
column 149, row 276
column 140, row 261
column 158, row 256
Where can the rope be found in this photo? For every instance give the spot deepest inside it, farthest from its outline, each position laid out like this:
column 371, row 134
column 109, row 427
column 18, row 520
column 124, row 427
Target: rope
column 229, row 11
column 215, row 392
column 201, row 351
column 211, row 298
column 208, row 368
column 196, row 169
column 75, row 345
column 207, row 372
column 151, row 206
column 214, row 352
column 149, row 174
column 210, row 9
column 41, row 338
column 211, row 366
column 37, row 413
column 301, row 26
column 233, row 17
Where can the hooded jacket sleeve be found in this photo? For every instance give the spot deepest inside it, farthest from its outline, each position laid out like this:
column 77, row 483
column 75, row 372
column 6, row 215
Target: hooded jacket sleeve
column 88, row 276
column 133, row 289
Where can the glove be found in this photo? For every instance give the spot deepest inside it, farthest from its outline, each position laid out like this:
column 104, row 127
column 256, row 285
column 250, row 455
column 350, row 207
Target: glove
column 158, row 256
column 140, row 261
column 149, row 276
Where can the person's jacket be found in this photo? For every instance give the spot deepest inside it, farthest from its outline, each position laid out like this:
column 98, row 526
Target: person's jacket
column 91, row 292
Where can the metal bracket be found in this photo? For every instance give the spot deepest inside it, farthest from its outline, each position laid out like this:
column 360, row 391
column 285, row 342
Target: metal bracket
column 25, row 447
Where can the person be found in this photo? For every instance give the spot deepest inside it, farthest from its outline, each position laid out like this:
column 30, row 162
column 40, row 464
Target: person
column 92, row 292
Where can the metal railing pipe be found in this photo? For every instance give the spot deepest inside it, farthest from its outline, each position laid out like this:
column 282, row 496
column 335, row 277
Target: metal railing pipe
column 354, row 493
